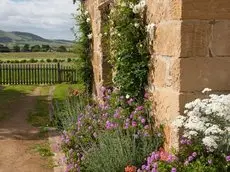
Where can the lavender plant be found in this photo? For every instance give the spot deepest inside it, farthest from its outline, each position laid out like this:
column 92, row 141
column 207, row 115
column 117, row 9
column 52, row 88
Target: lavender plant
column 115, row 113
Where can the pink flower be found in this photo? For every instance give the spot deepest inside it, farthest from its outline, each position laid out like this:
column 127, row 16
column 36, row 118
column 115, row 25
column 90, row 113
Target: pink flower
column 130, row 101
column 139, row 108
column 143, row 120
column 134, row 123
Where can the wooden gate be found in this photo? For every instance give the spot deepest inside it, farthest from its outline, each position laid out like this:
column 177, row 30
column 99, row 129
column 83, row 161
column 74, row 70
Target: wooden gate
column 34, row 73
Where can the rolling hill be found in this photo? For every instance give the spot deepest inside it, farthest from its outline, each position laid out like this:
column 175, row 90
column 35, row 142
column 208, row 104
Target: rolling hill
column 22, row 38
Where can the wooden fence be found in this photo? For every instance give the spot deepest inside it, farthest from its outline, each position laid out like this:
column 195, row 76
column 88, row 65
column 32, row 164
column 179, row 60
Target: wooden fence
column 28, row 74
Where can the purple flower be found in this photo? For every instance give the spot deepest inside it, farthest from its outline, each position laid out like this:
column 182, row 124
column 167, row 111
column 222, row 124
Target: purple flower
column 143, row 167
column 103, row 89
column 147, row 168
column 194, row 154
column 146, row 127
column 131, row 115
column 171, row 158
column 109, row 91
column 69, row 167
column 143, row 120
column 189, row 142
column 173, row 170
column 130, row 101
column 186, row 163
column 154, row 170
column 157, row 156
column 105, row 115
column 228, row 158
column 155, row 165
column 139, row 108
column 210, row 161
column 146, row 95
column 190, row 158
column 183, row 141
column 116, row 115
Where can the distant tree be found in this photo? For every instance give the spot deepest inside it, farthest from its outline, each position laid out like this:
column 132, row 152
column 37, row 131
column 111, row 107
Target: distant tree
column 4, row 49
column 26, row 48
column 16, row 48
column 36, row 48
column 45, row 48
column 62, row 49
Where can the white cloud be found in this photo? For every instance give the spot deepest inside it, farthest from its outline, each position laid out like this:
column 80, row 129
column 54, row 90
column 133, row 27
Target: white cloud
column 48, row 18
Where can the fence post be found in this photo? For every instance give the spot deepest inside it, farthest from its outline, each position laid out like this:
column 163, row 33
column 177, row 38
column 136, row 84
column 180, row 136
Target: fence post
column 59, row 73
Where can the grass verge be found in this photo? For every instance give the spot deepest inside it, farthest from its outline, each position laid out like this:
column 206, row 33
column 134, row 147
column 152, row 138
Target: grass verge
column 43, row 149
column 62, row 91
column 39, row 116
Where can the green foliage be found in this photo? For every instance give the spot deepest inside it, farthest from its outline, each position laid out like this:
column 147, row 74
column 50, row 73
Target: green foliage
column 129, row 52
column 62, row 49
column 83, row 48
column 16, row 48
column 36, row 48
column 68, row 110
column 45, row 48
column 48, row 60
column 26, row 48
column 4, row 49
column 43, row 150
column 115, row 150
column 83, row 125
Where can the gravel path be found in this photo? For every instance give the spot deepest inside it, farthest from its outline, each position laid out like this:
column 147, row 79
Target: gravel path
column 17, row 137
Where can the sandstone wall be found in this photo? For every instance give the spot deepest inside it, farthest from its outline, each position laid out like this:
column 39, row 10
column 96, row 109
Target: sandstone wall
column 191, row 52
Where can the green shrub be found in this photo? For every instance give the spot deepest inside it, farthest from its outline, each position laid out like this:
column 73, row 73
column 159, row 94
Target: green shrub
column 69, row 60
column 48, row 60
column 55, row 60
column 32, row 60
column 23, row 61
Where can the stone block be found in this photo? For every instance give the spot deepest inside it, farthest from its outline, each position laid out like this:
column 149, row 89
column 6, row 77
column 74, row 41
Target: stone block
column 166, row 109
column 205, row 9
column 199, row 73
column 220, row 44
column 195, row 38
column 168, row 39
column 165, row 105
column 166, row 72
column 158, row 10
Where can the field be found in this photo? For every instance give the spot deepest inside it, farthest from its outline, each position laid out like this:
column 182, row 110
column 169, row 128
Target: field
column 36, row 55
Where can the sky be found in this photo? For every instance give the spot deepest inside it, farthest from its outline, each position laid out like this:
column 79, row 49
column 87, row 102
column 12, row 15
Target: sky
column 51, row 19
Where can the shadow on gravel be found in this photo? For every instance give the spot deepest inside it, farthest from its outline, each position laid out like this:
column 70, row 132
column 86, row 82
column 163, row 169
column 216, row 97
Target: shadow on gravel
column 15, row 105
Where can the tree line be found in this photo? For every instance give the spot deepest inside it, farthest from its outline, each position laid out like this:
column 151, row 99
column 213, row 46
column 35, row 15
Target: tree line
column 34, row 48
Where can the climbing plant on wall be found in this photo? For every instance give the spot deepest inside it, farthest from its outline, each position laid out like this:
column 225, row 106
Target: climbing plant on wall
column 83, row 46
column 129, row 46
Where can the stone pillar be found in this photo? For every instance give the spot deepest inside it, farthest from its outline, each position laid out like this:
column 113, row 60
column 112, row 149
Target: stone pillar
column 191, row 52
column 95, row 8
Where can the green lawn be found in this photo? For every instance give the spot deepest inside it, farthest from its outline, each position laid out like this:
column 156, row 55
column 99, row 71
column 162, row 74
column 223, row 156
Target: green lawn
column 62, row 91
column 36, row 55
